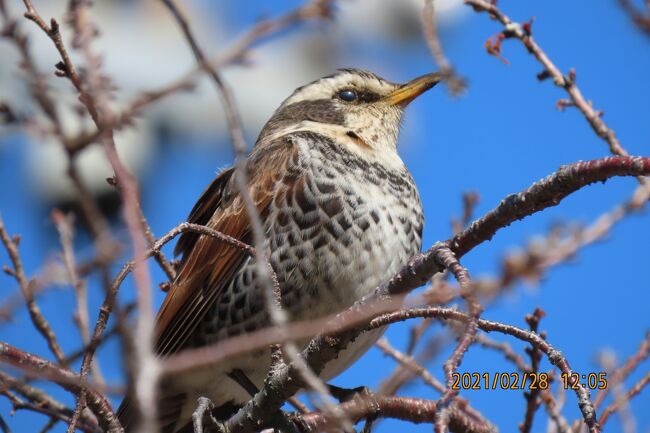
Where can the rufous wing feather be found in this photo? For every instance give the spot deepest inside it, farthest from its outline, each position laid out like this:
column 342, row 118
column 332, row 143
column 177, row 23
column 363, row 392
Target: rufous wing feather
column 209, row 264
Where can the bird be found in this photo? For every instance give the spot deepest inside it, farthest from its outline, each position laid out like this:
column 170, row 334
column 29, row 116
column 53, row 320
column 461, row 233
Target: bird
column 340, row 213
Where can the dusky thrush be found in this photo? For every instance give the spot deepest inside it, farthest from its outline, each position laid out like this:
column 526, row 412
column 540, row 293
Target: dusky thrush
column 340, row 212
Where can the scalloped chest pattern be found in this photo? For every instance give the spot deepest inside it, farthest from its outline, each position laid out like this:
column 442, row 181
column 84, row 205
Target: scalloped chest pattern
column 339, row 225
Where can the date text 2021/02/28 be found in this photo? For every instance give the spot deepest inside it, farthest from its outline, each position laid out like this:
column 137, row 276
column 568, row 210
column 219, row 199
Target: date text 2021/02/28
column 525, row 380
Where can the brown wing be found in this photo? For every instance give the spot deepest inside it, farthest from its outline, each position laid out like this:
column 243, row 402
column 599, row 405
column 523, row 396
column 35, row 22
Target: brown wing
column 208, row 265
column 204, row 210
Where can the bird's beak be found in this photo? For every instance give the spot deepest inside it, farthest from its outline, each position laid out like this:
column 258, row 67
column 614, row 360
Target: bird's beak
column 411, row 90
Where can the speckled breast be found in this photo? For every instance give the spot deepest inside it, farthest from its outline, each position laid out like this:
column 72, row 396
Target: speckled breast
column 339, row 226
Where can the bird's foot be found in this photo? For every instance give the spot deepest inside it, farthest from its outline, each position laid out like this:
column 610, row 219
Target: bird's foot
column 347, row 394
column 283, row 422
column 362, row 392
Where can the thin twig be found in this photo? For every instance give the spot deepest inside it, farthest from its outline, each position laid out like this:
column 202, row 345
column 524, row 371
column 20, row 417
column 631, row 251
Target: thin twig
column 64, row 225
column 619, row 375
column 448, row 260
column 554, row 356
column 411, row 364
column 66, row 379
column 523, row 33
column 27, row 289
column 503, row 347
column 618, row 403
column 533, row 395
column 455, row 83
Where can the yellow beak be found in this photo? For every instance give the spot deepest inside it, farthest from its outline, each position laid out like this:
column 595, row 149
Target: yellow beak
column 411, row 90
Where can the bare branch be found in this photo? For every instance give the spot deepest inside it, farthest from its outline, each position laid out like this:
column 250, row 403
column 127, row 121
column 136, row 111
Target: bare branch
column 27, row 289
column 523, row 33
column 69, row 381
column 618, row 403
column 455, row 83
column 404, row 408
column 619, row 375
column 554, row 356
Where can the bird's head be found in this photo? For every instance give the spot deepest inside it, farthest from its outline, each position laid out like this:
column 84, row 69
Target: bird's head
column 355, row 107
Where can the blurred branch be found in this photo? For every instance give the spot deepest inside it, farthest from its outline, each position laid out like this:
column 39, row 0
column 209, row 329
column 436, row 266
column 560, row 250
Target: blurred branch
column 638, row 16
column 310, row 10
column 410, row 363
column 92, row 89
column 619, row 375
column 620, row 402
column 64, row 225
column 239, row 51
column 506, row 350
column 455, row 83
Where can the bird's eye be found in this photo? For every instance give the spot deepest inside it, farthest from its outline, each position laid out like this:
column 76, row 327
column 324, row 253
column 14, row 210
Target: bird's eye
column 347, row 95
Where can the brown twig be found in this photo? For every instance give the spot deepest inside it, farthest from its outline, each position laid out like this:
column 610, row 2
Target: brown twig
column 448, row 260
column 225, row 349
column 438, row 293
column 40, row 399
column 71, row 382
column 410, row 363
column 313, row 9
column 523, row 33
column 607, row 362
column 553, row 410
column 36, row 81
column 93, row 94
column 93, row 216
column 27, row 289
column 554, row 356
column 316, row 9
column 92, row 89
column 620, row 402
column 619, row 375
column 506, row 349
column 532, row 397
column 64, row 225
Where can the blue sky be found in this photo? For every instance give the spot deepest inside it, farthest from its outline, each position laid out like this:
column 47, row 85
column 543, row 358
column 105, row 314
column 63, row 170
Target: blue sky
column 503, row 134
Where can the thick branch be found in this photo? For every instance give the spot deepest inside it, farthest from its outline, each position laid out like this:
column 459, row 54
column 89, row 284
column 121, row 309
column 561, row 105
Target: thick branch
column 414, row 410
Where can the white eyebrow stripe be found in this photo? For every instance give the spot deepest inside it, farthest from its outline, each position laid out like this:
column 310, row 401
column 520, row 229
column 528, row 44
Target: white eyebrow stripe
column 325, row 87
